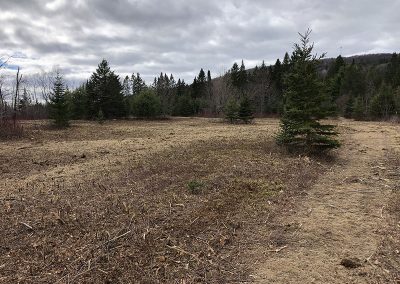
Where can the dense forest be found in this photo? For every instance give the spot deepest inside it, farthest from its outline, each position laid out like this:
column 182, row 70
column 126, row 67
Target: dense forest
column 362, row 87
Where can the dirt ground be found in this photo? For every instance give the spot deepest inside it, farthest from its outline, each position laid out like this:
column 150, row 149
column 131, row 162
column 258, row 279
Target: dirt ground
column 197, row 201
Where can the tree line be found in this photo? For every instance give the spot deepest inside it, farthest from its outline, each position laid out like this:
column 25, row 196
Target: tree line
column 357, row 90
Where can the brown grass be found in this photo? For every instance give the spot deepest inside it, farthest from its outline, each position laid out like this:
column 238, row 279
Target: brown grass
column 388, row 254
column 112, row 203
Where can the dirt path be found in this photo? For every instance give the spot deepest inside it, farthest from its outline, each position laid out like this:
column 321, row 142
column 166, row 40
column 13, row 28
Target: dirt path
column 343, row 215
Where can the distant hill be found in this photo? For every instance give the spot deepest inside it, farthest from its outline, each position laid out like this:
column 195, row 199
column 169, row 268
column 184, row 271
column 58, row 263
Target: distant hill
column 364, row 59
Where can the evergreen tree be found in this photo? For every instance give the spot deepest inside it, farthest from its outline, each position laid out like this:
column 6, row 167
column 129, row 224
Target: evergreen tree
column 245, row 112
column 172, row 82
column 231, row 110
column 138, row 84
column 164, row 90
column 184, row 105
column 349, row 107
column 199, row 92
column 147, row 104
column 208, row 77
column 286, row 63
column 180, row 87
column 209, row 85
column 202, row 77
column 358, row 109
column 303, row 103
column 238, row 76
column 333, row 89
column 104, row 92
column 234, row 75
column 78, row 102
column 100, row 117
column 242, row 78
column 199, row 86
column 58, row 105
column 194, row 88
column 336, row 66
column 393, row 71
column 277, row 75
column 383, row 105
column 263, row 66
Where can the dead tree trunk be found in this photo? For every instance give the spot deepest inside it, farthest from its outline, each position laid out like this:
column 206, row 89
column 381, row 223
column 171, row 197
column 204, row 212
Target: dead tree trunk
column 19, row 78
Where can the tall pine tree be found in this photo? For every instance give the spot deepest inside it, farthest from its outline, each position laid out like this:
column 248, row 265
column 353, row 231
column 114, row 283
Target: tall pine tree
column 138, row 84
column 104, row 91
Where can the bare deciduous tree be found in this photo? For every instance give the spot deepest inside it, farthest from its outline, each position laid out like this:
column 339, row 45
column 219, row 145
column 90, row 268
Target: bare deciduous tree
column 43, row 83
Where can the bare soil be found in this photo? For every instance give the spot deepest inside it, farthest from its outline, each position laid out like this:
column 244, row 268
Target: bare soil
column 196, row 201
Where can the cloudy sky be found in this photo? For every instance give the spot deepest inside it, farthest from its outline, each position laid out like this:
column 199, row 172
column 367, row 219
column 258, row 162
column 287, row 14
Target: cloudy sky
column 181, row 36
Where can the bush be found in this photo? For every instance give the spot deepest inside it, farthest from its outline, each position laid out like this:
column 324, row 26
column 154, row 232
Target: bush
column 146, row 104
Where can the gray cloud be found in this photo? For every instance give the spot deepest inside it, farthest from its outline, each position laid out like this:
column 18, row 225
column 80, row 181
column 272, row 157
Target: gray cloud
column 180, row 37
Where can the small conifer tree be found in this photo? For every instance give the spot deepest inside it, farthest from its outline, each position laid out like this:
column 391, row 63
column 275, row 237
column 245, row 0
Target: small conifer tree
column 305, row 103
column 100, row 116
column 245, row 112
column 58, row 104
column 231, row 110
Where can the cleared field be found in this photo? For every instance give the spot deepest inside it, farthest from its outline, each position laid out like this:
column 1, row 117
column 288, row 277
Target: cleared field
column 173, row 201
column 191, row 201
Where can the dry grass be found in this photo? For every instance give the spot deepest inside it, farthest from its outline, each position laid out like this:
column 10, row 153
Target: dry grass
column 388, row 254
column 115, row 203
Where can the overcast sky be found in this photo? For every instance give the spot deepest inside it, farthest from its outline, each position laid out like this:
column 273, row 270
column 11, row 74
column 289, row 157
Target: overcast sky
column 182, row 36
